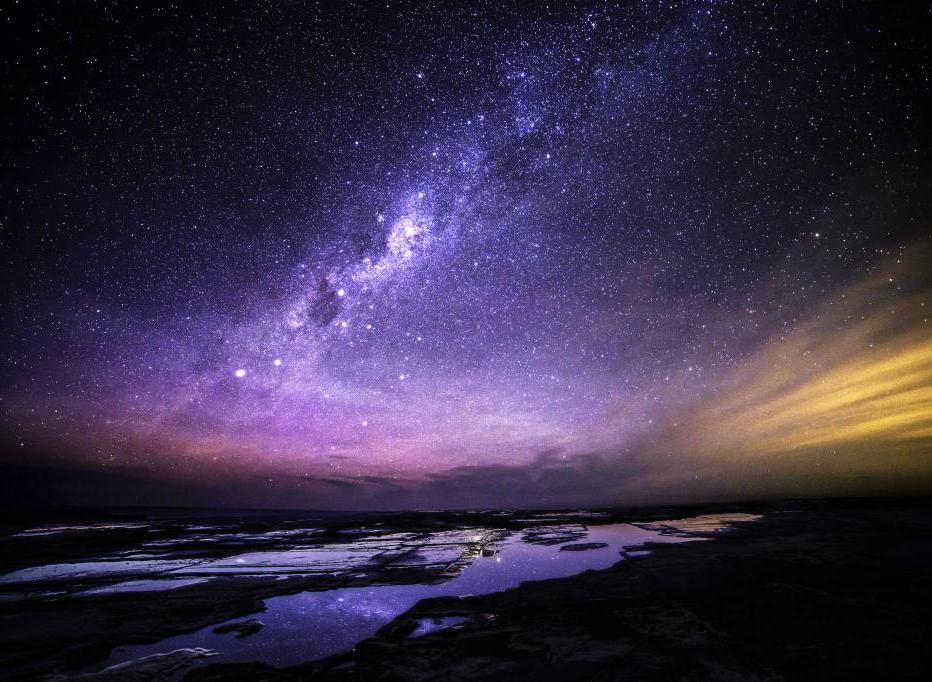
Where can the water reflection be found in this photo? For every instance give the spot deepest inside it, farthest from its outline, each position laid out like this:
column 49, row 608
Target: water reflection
column 312, row 625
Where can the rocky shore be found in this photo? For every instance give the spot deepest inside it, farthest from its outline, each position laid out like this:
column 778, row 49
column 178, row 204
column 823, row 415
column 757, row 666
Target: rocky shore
column 817, row 591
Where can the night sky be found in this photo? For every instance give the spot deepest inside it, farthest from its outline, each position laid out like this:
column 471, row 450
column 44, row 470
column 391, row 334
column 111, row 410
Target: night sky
column 387, row 255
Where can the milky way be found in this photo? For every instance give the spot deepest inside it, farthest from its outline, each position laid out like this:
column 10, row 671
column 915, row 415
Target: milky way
column 417, row 255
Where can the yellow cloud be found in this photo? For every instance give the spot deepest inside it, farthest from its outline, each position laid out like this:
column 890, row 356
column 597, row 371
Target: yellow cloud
column 847, row 392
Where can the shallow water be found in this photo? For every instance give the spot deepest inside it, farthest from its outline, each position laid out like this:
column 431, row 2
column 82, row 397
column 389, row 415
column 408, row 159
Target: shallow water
column 312, row 625
column 427, row 625
column 142, row 586
column 162, row 571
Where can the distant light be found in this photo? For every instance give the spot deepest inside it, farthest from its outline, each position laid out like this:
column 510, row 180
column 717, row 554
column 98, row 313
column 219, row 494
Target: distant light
column 240, row 373
column 365, row 422
column 343, row 324
column 277, row 362
column 341, row 292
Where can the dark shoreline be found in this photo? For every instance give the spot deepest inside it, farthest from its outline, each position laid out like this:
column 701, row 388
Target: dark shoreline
column 839, row 590
column 820, row 589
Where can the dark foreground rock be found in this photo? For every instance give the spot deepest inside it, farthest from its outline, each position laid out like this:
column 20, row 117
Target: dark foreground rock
column 583, row 546
column 166, row 667
column 816, row 591
column 243, row 628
